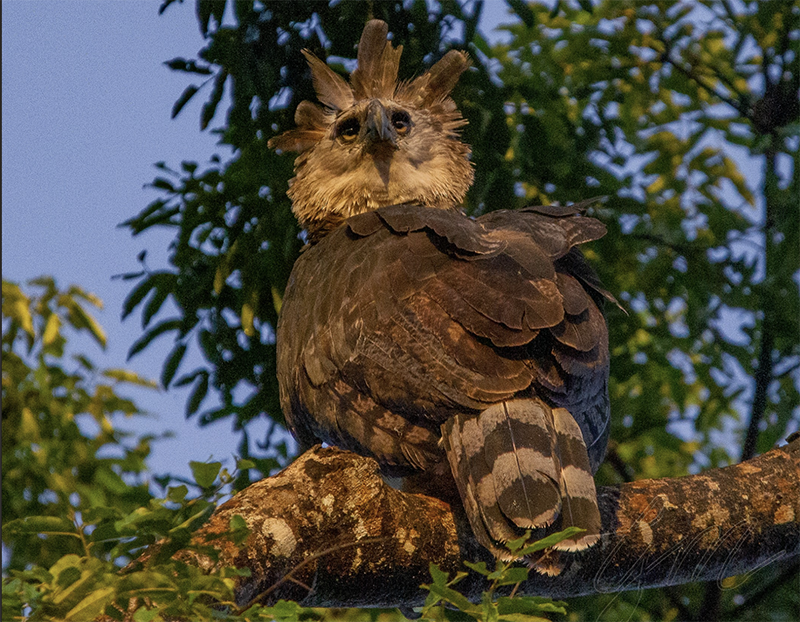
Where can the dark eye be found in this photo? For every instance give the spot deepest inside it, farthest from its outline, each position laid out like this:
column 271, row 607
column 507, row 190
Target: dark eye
column 401, row 122
column 348, row 130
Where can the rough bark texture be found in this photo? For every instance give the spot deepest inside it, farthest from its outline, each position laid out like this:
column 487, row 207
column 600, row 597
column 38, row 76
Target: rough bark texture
column 328, row 531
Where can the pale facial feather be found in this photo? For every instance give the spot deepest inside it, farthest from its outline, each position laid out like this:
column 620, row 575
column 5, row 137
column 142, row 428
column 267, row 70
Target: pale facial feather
column 342, row 176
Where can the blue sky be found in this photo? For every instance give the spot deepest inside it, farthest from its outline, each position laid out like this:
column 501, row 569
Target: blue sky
column 86, row 114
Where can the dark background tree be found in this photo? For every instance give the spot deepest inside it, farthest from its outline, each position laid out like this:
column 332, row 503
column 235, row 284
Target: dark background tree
column 683, row 114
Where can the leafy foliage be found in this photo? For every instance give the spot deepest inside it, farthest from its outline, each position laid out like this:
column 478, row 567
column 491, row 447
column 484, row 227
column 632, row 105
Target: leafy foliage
column 63, row 457
column 643, row 92
column 684, row 114
column 74, row 519
column 494, row 607
column 76, row 504
column 663, row 102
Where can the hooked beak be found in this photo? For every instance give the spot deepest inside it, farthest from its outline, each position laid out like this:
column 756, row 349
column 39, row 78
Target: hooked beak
column 379, row 130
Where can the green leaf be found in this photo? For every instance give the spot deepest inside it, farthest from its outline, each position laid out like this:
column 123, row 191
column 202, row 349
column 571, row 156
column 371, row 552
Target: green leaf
column 177, row 493
column 159, row 329
column 84, row 362
column 135, row 583
column 188, row 66
column 52, row 525
column 513, row 575
column 162, row 184
column 529, row 605
column 144, row 614
column 67, row 576
column 130, row 377
column 479, row 567
column 284, row 611
column 439, row 576
column 172, row 363
column 205, row 472
column 187, row 94
column 550, row 540
column 162, row 291
column 92, row 605
column 16, row 305
column 187, row 379
column 516, row 545
column 237, row 522
column 80, row 319
column 98, row 512
column 210, row 107
column 204, row 11
column 454, row 598
column 198, row 394
column 51, row 329
column 137, row 295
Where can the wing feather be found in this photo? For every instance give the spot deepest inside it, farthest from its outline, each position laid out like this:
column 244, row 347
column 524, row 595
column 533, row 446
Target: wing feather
column 428, row 313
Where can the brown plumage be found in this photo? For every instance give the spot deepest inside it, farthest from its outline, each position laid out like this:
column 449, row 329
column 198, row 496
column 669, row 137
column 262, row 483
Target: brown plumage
column 424, row 338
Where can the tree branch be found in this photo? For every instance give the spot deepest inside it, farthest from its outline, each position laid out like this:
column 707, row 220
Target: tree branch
column 328, row 531
column 690, row 73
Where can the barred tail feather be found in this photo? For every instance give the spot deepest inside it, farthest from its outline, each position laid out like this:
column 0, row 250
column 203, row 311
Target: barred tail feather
column 579, row 505
column 519, row 465
column 463, row 445
column 518, row 447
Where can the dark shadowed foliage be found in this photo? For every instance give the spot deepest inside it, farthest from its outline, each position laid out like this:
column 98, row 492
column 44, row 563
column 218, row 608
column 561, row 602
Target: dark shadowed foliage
column 684, row 115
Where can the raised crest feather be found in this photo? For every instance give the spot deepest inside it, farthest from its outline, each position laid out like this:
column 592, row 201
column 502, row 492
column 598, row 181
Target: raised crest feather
column 378, row 63
column 444, row 75
column 331, row 88
column 433, row 87
column 309, row 115
column 374, row 77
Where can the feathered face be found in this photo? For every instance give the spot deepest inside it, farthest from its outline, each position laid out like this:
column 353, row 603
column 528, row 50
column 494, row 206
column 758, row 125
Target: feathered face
column 376, row 142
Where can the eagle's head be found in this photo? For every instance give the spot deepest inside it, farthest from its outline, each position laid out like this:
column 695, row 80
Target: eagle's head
column 376, row 141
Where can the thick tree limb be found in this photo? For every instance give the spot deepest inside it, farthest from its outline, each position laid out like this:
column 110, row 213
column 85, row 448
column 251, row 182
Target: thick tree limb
column 328, row 531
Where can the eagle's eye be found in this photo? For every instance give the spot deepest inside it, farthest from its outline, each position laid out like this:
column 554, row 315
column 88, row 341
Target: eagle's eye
column 401, row 122
column 348, row 130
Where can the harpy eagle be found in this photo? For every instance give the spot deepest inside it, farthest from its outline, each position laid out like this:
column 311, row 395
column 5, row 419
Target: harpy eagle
column 461, row 349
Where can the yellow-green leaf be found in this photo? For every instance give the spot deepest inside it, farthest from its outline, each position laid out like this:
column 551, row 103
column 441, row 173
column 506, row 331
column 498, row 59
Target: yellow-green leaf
column 51, row 329
column 247, row 319
column 277, row 300
column 91, row 606
column 125, row 375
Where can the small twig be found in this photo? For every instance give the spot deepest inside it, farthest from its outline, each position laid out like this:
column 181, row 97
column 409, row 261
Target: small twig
column 683, row 249
column 739, row 106
column 300, row 583
column 788, row 370
column 288, row 575
column 620, row 466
